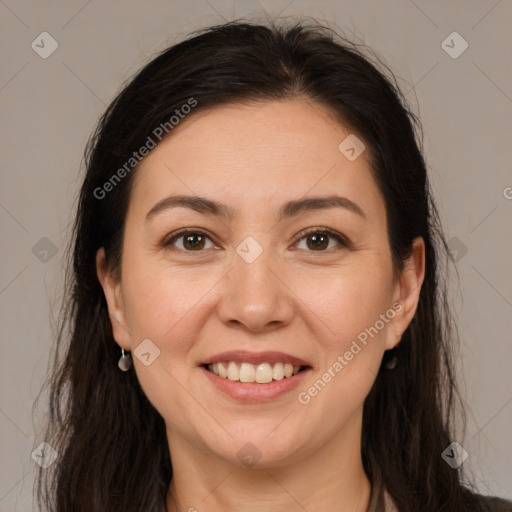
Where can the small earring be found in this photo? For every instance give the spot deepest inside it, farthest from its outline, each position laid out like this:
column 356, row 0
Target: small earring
column 125, row 361
column 391, row 364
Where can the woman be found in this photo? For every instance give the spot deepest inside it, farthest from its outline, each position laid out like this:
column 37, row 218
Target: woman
column 257, row 322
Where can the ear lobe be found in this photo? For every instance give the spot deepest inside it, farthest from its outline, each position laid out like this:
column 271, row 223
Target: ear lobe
column 113, row 294
column 407, row 292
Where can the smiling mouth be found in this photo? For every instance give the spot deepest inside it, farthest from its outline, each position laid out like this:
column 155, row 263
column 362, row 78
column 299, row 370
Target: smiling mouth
column 250, row 373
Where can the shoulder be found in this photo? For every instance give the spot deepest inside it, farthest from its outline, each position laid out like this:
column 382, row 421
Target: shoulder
column 486, row 503
column 493, row 503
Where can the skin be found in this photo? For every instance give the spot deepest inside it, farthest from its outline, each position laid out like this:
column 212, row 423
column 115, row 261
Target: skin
column 295, row 298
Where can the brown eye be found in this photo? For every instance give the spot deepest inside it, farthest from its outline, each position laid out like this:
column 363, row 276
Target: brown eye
column 191, row 241
column 194, row 241
column 317, row 240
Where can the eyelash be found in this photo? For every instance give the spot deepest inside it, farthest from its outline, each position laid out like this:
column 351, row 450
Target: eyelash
column 343, row 241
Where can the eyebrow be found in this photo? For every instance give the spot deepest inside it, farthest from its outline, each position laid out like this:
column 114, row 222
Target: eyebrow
column 290, row 209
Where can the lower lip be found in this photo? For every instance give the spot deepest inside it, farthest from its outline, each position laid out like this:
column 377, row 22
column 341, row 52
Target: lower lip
column 252, row 391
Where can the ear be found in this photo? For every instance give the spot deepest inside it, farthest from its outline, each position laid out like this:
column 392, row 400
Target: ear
column 113, row 294
column 407, row 292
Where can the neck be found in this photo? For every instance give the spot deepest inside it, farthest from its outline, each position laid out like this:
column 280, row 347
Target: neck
column 326, row 477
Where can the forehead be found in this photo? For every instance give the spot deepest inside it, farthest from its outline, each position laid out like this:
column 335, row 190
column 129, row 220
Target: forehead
column 275, row 149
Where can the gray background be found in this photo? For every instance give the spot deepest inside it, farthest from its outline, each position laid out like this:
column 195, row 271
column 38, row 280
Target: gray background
column 50, row 106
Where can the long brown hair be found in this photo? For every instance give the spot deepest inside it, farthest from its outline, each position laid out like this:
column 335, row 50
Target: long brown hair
column 113, row 452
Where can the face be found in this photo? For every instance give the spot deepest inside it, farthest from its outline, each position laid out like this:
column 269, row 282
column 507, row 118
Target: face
column 268, row 275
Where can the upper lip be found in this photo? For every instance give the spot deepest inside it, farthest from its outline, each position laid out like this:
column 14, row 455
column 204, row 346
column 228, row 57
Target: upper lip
column 243, row 356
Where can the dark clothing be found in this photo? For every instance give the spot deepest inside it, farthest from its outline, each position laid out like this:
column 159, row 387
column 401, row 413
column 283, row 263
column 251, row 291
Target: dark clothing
column 380, row 500
column 493, row 504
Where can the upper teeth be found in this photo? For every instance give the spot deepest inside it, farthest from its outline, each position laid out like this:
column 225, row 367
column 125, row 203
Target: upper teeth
column 247, row 372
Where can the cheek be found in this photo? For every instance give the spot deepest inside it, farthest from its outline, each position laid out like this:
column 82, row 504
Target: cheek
column 162, row 306
column 348, row 302
column 353, row 312
column 156, row 297
column 355, row 304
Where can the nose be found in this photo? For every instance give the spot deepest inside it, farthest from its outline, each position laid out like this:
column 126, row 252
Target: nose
column 256, row 296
